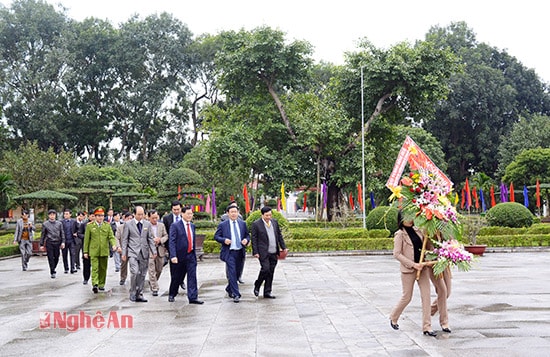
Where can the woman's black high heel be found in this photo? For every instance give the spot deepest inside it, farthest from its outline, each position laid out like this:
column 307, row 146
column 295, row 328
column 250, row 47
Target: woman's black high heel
column 394, row 326
column 430, row 333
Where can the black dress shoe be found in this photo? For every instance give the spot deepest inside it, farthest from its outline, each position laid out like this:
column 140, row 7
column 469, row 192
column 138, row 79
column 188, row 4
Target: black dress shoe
column 85, row 282
column 240, row 281
column 256, row 292
column 140, row 299
column 236, row 299
column 101, row 288
column 182, row 285
column 155, row 293
column 171, row 299
column 196, row 302
column 394, row 326
column 269, row 296
column 446, row 329
column 94, row 289
column 66, row 272
column 133, row 299
column 122, row 282
column 52, row 276
column 430, row 333
column 73, row 271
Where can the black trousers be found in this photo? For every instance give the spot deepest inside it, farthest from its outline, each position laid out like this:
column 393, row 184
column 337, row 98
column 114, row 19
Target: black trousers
column 52, row 248
column 86, row 268
column 267, row 270
column 69, row 255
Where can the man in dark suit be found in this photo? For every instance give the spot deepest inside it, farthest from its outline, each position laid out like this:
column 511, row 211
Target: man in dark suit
column 168, row 220
column 267, row 242
column 233, row 235
column 182, row 257
column 137, row 244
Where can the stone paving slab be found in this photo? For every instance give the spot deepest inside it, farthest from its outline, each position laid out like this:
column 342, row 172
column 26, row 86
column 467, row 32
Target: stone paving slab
column 326, row 305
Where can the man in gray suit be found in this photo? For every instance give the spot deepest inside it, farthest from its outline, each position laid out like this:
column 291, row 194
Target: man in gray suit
column 137, row 243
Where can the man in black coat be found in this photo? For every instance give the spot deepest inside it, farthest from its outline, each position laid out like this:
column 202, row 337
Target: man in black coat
column 267, row 242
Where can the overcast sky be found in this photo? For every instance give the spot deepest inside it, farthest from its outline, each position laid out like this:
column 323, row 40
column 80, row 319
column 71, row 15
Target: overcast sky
column 333, row 27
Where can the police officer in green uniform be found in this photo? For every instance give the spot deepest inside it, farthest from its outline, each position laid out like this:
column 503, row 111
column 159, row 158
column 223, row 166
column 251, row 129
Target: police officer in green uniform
column 96, row 246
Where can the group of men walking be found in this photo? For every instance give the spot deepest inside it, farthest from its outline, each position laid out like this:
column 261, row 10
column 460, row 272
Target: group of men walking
column 147, row 245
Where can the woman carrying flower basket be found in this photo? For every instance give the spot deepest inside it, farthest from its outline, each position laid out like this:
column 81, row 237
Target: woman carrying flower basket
column 408, row 243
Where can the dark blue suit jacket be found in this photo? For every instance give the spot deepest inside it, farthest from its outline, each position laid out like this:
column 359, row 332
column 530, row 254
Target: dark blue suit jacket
column 224, row 232
column 177, row 240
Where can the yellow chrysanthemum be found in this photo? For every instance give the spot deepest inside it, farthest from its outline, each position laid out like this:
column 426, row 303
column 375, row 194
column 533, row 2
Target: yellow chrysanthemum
column 396, row 193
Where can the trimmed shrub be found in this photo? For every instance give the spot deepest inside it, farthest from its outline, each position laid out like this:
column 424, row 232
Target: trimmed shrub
column 382, row 217
column 283, row 222
column 9, row 250
column 509, row 214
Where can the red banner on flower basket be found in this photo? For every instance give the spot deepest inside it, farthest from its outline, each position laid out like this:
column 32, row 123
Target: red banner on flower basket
column 411, row 153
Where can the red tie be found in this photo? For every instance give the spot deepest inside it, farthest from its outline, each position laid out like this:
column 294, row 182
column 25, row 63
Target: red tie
column 189, row 238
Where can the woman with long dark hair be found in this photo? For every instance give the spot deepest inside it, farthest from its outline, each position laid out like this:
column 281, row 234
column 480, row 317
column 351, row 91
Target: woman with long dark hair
column 407, row 249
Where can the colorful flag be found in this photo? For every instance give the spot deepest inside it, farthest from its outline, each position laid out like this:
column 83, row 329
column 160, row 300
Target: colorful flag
column 467, row 193
column 537, row 194
column 325, row 194
column 456, row 198
column 476, row 200
column 525, row 196
column 214, row 211
column 372, row 203
column 351, row 205
column 179, row 192
column 503, row 192
column 463, row 198
column 283, row 196
column 512, row 197
column 492, row 192
column 246, row 200
column 304, row 209
column 360, row 196
column 483, row 207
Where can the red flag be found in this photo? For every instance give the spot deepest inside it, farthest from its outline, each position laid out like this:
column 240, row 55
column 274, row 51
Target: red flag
column 179, row 192
column 360, row 195
column 538, row 194
column 476, row 200
column 512, row 198
column 231, row 198
column 493, row 201
column 351, row 205
column 468, row 196
column 462, row 200
column 305, row 203
column 246, row 200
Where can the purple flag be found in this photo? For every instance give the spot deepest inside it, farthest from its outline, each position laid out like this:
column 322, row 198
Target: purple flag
column 503, row 192
column 213, row 201
column 324, row 190
column 483, row 207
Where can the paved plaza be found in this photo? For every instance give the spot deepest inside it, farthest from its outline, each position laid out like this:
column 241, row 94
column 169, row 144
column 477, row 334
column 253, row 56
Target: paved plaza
column 326, row 305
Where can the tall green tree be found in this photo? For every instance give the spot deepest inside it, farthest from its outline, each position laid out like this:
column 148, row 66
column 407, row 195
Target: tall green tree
column 260, row 62
column 33, row 60
column 151, row 55
column 528, row 167
column 485, row 101
column 91, row 85
column 530, row 132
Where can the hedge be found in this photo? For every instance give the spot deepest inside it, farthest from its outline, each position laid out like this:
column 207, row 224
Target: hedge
column 316, row 245
column 324, row 224
column 333, row 233
column 9, row 250
column 526, row 240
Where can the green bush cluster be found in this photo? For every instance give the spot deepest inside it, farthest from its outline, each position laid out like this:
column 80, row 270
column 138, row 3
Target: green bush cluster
column 382, row 217
column 501, row 231
column 335, row 233
column 509, row 214
column 255, row 215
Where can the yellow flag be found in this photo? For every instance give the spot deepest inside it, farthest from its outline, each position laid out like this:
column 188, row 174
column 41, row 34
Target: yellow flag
column 456, row 198
column 283, row 198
